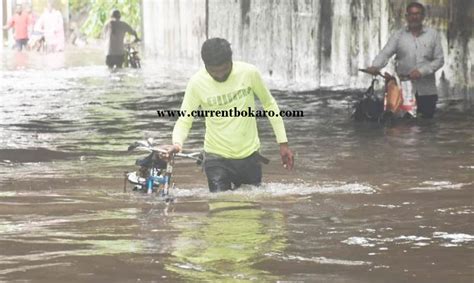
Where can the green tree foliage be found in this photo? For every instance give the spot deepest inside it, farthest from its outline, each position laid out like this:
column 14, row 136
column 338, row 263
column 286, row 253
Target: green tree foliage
column 76, row 5
column 100, row 10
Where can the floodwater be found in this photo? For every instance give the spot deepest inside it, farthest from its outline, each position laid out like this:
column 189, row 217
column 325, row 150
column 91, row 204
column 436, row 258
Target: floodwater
column 365, row 203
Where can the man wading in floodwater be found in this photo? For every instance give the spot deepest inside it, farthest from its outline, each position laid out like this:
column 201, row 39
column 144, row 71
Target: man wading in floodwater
column 419, row 56
column 231, row 144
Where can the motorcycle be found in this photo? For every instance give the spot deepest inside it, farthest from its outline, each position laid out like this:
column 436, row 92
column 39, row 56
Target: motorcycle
column 155, row 171
column 384, row 110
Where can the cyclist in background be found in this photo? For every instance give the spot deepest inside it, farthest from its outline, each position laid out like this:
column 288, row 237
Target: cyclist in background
column 114, row 32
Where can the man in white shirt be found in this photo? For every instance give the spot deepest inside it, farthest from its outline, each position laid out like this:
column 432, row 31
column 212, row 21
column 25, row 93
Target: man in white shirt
column 419, row 55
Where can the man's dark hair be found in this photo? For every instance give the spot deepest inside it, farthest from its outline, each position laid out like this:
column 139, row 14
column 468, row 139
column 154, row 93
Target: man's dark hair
column 417, row 5
column 116, row 14
column 216, row 51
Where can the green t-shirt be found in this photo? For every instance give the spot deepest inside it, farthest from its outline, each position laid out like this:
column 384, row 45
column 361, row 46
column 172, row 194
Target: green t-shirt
column 229, row 137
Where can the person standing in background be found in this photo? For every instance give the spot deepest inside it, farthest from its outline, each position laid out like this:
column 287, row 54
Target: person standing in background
column 20, row 23
column 52, row 25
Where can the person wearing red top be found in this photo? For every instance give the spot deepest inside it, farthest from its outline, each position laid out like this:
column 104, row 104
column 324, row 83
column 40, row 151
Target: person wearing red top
column 20, row 23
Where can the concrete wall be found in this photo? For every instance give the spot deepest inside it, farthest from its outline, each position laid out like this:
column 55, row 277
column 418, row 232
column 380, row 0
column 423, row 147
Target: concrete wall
column 174, row 29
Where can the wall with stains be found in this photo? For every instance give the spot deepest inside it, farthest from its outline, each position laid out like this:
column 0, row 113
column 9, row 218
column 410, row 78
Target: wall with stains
column 174, row 29
column 308, row 44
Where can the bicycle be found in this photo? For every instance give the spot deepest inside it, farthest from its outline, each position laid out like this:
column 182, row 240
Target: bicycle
column 155, row 170
column 131, row 55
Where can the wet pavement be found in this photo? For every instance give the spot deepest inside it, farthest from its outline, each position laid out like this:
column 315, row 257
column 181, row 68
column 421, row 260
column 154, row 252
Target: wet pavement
column 365, row 203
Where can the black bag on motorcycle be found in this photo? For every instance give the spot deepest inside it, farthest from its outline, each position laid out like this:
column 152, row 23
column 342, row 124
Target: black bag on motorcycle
column 369, row 107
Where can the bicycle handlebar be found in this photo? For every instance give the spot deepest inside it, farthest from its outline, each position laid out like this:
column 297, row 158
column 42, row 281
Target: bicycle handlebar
column 378, row 73
column 147, row 146
column 386, row 76
column 194, row 155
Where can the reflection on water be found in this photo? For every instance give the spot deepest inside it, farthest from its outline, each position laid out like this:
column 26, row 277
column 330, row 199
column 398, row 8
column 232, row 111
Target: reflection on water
column 365, row 202
column 213, row 248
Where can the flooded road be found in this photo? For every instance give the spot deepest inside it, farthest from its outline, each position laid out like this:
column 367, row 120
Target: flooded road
column 365, row 203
